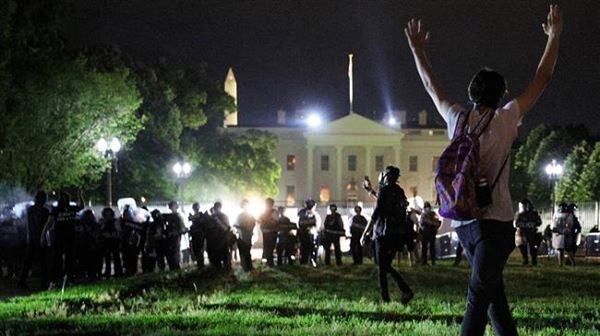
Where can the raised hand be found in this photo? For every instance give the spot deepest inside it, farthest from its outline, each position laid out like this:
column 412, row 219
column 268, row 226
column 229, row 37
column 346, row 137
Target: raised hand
column 554, row 23
column 416, row 35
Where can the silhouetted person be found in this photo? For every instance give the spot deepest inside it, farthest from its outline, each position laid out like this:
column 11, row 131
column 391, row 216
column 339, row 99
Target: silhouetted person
column 154, row 238
column 219, row 239
column 286, row 239
column 61, row 223
column 13, row 239
column 572, row 235
column 245, row 224
column 527, row 222
column 200, row 221
column 333, row 229
column 488, row 239
column 428, row 226
column 391, row 231
column 268, row 226
column 307, row 233
column 358, row 223
column 111, row 233
column 37, row 216
column 174, row 228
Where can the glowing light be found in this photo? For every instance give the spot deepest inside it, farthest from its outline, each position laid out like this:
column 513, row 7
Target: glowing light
column 115, row 145
column 256, row 207
column 392, row 121
column 102, row 145
column 313, row 120
column 187, row 168
column 554, row 170
column 177, row 168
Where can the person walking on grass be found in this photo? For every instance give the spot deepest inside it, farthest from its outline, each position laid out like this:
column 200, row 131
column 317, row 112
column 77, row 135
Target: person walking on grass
column 390, row 228
column 488, row 239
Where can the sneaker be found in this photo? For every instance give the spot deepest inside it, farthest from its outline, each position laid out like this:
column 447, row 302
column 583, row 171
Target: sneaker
column 313, row 263
column 406, row 297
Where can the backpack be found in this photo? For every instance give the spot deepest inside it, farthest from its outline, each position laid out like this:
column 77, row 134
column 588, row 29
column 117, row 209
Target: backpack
column 456, row 174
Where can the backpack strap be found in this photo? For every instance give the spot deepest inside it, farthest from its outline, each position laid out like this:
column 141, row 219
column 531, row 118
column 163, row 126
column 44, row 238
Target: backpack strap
column 500, row 172
column 459, row 129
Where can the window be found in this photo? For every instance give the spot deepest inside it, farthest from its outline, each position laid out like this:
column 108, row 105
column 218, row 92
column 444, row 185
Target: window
column 290, row 198
column 412, row 163
column 379, row 162
column 325, row 162
column 434, row 163
column 352, row 163
column 413, row 191
column 325, row 194
column 291, row 162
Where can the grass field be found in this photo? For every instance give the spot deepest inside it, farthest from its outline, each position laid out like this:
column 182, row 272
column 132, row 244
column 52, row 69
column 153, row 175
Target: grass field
column 299, row 300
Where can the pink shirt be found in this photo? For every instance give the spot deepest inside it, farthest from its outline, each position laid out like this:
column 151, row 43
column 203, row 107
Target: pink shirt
column 495, row 144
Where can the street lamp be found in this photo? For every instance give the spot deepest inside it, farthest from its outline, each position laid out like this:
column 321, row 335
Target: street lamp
column 554, row 171
column 182, row 171
column 109, row 151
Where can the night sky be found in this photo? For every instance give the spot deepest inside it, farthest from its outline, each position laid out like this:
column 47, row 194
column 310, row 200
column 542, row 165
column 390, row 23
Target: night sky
column 293, row 54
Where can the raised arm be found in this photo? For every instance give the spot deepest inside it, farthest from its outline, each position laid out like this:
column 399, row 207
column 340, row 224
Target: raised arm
column 417, row 40
column 552, row 28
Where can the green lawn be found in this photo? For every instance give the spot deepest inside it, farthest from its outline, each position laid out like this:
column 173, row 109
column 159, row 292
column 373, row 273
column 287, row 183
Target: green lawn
column 300, row 300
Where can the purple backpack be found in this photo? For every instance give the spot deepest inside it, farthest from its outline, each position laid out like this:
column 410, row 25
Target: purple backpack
column 456, row 174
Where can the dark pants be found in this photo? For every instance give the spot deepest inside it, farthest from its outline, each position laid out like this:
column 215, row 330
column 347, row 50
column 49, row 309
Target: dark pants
column 269, row 242
column 530, row 236
column 112, row 256
column 327, row 242
column 174, row 252
column 428, row 244
column 285, row 248
column 308, row 248
column 35, row 253
column 385, row 250
column 198, row 248
column 130, row 258
column 245, row 257
column 356, row 249
column 487, row 245
column 63, row 261
column 459, row 253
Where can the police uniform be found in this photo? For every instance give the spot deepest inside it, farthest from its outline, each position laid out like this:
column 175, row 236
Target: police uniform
column 37, row 215
column 307, row 223
column 111, row 234
column 429, row 225
column 198, row 236
column 333, row 229
column 286, row 240
column 65, row 217
column 358, row 223
column 527, row 223
column 268, row 227
column 174, row 228
column 245, row 225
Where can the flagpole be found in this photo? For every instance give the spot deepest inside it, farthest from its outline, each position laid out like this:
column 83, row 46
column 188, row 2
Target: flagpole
column 351, row 84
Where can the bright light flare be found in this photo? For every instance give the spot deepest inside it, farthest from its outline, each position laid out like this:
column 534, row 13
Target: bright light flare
column 313, row 120
column 554, row 169
column 177, row 168
column 187, row 168
column 392, row 121
column 256, row 207
column 102, row 145
column 115, row 145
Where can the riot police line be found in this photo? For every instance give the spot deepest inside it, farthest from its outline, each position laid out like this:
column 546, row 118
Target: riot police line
column 69, row 243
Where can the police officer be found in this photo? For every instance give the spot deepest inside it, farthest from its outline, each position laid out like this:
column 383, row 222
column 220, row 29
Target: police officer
column 174, row 228
column 572, row 235
column 307, row 233
column 12, row 239
column 244, row 225
column 151, row 247
column 133, row 232
column 358, row 223
column 37, row 215
column 62, row 223
column 268, row 227
column 333, row 229
column 527, row 222
column 87, row 231
column 197, row 233
column 429, row 223
column 110, row 229
column 286, row 238
column 389, row 225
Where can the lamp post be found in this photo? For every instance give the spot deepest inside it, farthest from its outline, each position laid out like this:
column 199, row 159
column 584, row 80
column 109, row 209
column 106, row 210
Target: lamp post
column 554, row 171
column 182, row 171
column 109, row 151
